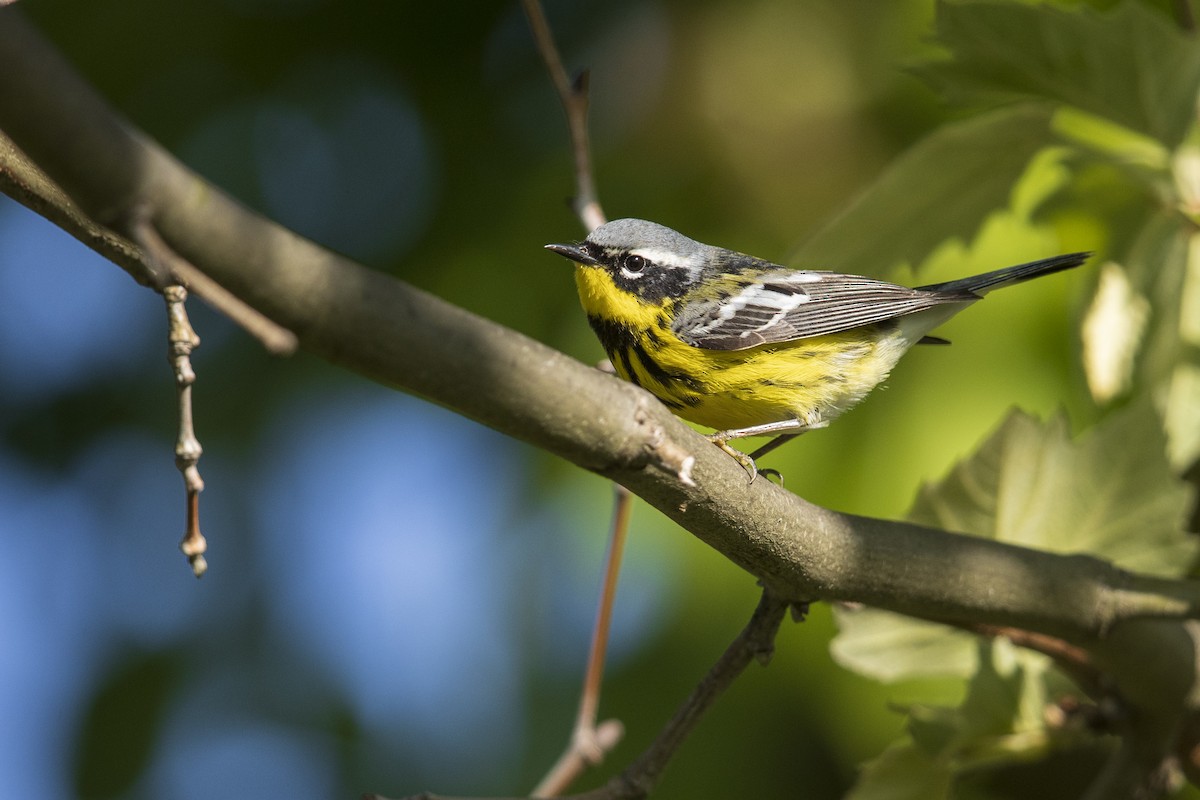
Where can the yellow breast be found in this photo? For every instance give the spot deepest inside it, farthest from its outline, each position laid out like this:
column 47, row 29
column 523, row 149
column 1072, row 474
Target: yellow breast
column 813, row 380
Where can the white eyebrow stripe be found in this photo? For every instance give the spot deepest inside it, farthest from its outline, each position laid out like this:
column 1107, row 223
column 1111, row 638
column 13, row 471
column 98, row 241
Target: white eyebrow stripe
column 670, row 259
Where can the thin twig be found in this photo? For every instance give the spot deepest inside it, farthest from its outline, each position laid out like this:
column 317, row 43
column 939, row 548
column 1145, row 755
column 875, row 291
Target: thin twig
column 173, row 276
column 26, row 183
column 756, row 642
column 574, row 97
column 591, row 742
column 277, row 339
column 183, row 340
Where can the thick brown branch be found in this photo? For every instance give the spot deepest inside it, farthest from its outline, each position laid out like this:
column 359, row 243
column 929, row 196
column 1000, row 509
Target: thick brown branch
column 403, row 337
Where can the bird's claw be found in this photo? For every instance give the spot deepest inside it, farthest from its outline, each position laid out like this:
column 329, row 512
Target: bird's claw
column 746, row 461
column 768, row 472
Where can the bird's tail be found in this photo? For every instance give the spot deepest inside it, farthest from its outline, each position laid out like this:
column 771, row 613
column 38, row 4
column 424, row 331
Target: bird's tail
column 981, row 284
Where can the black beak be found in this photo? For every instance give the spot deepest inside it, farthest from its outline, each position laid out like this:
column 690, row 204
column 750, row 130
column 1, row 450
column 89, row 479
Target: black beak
column 573, row 252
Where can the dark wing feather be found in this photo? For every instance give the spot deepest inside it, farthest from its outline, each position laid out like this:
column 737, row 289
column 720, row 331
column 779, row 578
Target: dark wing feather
column 790, row 305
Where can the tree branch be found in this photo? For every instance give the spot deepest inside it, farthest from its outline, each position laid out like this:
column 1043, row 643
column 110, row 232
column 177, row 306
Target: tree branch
column 24, row 182
column 403, row 337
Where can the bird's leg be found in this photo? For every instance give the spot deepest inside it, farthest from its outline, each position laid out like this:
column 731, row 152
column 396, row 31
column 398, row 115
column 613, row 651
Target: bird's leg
column 782, row 438
column 746, row 461
column 787, row 429
column 770, row 446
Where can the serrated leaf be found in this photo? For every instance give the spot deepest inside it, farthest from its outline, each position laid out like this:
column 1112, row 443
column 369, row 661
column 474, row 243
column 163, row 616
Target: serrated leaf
column 1128, row 64
column 944, row 187
column 1110, row 493
column 902, row 772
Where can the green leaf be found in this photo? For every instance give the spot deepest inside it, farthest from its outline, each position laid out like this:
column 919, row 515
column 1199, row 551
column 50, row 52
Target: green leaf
column 999, row 723
column 1129, row 64
column 944, row 187
column 1157, row 263
column 1110, row 493
column 933, row 728
column 1181, row 415
column 993, row 698
column 889, row 647
column 903, row 772
column 1112, row 334
column 1164, row 265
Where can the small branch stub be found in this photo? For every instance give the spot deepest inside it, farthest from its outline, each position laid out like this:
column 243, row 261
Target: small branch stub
column 182, row 340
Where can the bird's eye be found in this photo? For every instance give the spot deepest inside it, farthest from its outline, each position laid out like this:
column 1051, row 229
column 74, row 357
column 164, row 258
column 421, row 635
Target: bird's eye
column 634, row 264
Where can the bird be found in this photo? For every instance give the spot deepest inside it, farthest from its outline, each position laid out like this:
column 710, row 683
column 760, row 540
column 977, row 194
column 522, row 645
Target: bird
column 748, row 347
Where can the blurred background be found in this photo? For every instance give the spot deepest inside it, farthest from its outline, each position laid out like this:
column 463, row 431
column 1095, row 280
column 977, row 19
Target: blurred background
column 399, row 599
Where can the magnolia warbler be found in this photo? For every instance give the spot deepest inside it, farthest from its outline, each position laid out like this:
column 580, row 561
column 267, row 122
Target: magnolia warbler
column 749, row 347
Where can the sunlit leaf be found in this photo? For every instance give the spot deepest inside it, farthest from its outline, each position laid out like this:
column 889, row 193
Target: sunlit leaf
column 889, row 647
column 1163, row 264
column 1110, row 492
column 1128, row 64
column 1182, row 415
column 1112, row 332
column 943, row 188
column 1115, row 142
column 998, row 723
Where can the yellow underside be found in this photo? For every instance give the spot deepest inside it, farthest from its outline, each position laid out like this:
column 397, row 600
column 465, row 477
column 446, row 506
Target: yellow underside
column 813, row 380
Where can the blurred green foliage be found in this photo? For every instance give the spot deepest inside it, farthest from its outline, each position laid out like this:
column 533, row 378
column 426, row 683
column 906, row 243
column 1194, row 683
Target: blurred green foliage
column 751, row 125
